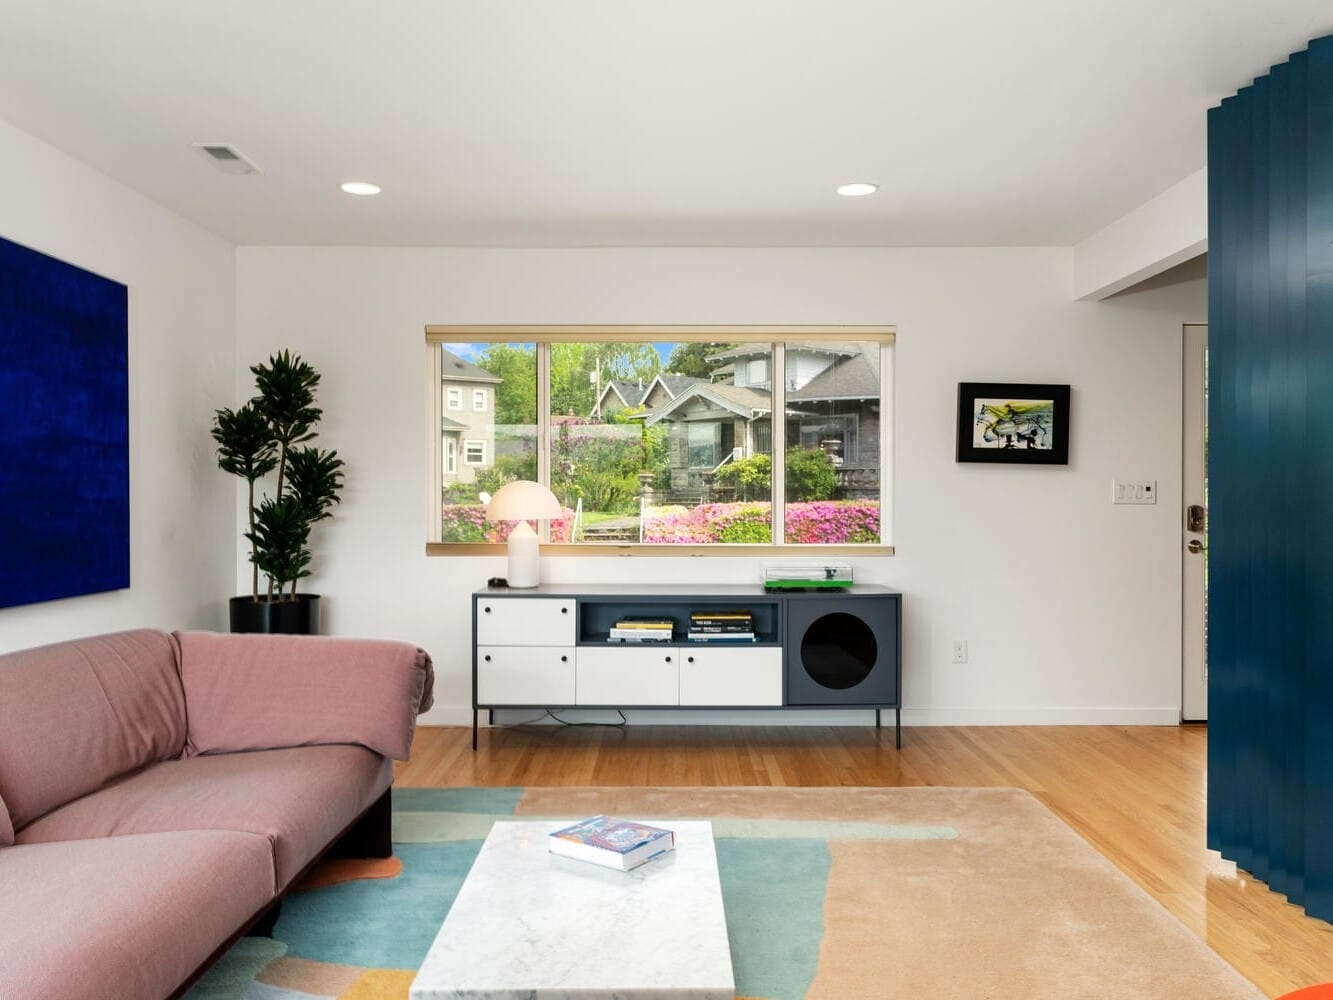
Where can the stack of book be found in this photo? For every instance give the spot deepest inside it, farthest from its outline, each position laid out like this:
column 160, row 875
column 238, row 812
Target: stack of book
column 635, row 629
column 721, row 626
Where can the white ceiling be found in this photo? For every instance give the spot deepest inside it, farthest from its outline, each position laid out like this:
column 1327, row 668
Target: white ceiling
column 626, row 123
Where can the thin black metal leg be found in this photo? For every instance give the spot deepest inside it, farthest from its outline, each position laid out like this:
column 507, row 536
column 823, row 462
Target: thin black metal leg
column 898, row 726
column 877, row 718
column 474, row 729
column 490, row 716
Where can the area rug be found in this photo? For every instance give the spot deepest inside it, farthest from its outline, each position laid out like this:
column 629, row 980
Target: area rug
column 829, row 893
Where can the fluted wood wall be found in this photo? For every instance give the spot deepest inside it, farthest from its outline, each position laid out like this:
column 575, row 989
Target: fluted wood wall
column 1270, row 410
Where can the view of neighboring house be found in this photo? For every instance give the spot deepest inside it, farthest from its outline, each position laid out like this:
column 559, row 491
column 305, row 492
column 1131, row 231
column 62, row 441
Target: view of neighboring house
column 617, row 395
column 832, row 403
column 622, row 394
column 467, row 402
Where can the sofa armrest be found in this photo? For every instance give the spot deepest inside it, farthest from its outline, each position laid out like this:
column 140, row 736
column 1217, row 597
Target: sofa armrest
column 262, row 692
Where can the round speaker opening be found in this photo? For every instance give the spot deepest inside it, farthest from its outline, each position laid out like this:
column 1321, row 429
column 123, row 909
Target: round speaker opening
column 838, row 651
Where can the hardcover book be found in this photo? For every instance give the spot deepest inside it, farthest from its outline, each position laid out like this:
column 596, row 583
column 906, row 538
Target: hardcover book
column 612, row 843
column 645, row 623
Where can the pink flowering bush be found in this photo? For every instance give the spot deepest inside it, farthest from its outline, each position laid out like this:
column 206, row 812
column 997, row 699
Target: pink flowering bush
column 466, row 522
column 819, row 522
column 833, row 522
column 675, row 525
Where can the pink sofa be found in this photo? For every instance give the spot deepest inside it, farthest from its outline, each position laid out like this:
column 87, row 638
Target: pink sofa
column 159, row 793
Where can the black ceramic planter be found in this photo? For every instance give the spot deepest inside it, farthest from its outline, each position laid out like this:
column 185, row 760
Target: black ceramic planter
column 298, row 617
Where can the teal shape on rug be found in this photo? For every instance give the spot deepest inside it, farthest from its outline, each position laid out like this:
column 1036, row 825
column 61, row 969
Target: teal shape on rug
column 429, row 827
column 501, row 801
column 379, row 923
column 772, row 890
column 235, row 971
column 773, row 875
column 773, row 893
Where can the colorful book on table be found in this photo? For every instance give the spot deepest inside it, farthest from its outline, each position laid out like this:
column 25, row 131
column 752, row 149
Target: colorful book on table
column 611, row 842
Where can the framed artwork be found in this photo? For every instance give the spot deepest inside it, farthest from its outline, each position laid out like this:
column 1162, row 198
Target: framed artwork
column 1013, row 423
column 64, row 430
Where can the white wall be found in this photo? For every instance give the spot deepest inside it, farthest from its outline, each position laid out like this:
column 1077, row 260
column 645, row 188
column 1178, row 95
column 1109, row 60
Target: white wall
column 181, row 359
column 1071, row 606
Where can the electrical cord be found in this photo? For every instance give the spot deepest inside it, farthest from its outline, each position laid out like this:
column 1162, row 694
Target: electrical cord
column 548, row 714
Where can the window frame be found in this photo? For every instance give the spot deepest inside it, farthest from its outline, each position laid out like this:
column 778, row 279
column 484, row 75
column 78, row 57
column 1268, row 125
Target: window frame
column 452, row 393
column 451, row 456
column 479, row 394
column 776, row 336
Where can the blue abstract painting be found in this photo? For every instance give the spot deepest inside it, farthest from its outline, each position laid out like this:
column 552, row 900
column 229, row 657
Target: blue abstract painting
column 64, row 430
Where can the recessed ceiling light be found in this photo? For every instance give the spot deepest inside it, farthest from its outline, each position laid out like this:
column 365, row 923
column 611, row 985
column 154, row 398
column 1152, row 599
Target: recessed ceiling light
column 361, row 187
column 857, row 190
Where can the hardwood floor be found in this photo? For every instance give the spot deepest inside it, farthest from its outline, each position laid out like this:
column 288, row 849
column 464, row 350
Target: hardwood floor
column 1136, row 793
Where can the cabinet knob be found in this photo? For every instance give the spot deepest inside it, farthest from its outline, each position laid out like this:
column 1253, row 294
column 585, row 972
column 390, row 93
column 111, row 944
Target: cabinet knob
column 668, row 659
column 689, row 659
column 487, row 657
column 564, row 611
column 564, row 659
column 487, row 610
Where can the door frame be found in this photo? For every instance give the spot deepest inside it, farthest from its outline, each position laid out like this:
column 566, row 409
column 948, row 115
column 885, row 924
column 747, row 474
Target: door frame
column 1193, row 567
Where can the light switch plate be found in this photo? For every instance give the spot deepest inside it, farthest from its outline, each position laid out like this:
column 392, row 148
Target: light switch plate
column 1134, row 491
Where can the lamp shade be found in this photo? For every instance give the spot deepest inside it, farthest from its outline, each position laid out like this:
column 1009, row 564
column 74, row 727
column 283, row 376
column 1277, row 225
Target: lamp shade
column 523, row 500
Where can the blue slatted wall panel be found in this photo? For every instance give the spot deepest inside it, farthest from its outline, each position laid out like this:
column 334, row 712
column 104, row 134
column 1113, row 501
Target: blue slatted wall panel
column 1270, row 411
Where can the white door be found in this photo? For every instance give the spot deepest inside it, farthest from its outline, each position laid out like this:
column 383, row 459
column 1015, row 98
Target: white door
column 1194, row 521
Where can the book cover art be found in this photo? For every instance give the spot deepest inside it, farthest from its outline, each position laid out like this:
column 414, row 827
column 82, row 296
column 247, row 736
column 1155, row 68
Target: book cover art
column 610, row 834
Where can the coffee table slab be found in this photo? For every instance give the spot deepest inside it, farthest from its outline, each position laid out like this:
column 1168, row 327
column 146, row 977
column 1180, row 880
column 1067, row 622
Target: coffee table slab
column 530, row 925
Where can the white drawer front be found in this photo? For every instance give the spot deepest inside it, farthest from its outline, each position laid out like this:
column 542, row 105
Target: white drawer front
column 722, row 675
column 525, row 675
column 524, row 621
column 621, row 675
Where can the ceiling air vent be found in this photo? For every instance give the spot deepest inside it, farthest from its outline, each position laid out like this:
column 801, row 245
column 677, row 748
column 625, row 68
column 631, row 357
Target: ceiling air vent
column 227, row 158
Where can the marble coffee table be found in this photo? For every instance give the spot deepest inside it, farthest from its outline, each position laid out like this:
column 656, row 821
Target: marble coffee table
column 530, row 925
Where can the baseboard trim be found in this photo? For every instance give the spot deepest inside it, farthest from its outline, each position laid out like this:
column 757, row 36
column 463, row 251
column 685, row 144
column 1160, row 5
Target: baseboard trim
column 1017, row 715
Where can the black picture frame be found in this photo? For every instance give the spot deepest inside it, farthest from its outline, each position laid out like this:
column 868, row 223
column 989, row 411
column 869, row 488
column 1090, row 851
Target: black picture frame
column 1021, row 440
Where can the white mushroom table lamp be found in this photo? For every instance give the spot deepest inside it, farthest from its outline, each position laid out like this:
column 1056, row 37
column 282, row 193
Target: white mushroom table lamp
column 523, row 501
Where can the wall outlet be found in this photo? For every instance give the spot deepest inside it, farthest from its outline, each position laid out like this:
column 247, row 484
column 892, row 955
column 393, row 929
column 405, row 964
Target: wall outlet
column 960, row 651
column 1136, row 491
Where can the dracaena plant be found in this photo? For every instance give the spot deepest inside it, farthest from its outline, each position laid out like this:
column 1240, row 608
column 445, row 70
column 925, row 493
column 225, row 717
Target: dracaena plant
column 267, row 434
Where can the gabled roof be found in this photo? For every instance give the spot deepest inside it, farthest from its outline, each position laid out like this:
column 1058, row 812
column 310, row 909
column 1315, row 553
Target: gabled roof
column 449, row 424
column 847, row 378
column 676, row 384
column 630, row 393
column 741, row 401
column 811, row 347
column 455, row 369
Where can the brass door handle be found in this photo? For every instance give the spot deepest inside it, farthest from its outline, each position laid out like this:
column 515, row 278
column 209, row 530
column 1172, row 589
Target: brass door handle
column 1195, row 546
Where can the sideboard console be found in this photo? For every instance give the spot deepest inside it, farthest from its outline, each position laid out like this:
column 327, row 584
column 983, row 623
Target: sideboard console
column 549, row 648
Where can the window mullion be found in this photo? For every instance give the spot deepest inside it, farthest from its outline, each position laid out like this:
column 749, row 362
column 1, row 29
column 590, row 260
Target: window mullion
column 543, row 349
column 778, row 431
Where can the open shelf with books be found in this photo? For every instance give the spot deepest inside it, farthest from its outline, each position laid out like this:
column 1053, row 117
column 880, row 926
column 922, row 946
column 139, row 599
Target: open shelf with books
column 639, row 622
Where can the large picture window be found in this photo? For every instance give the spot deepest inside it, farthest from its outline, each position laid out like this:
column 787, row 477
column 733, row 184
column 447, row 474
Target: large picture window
column 666, row 439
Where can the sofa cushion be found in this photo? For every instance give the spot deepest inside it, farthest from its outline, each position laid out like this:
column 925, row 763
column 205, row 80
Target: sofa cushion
column 124, row 917
column 300, row 799
column 6, row 825
column 77, row 714
column 257, row 692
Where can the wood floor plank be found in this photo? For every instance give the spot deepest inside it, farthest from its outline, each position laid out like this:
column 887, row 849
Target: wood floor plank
column 1136, row 793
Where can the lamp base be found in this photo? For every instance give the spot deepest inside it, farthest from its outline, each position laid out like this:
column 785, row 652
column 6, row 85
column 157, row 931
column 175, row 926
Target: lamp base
column 524, row 572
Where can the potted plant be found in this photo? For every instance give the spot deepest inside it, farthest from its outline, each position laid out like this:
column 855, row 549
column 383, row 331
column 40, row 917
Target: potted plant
column 267, row 434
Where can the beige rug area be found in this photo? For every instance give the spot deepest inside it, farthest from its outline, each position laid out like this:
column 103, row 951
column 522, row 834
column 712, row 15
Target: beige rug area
column 1016, row 905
